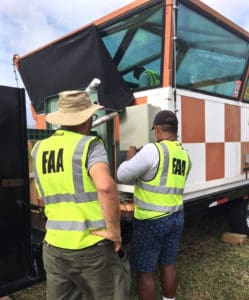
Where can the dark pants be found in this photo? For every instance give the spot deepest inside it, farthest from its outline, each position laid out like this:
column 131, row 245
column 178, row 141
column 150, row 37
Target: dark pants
column 92, row 273
column 155, row 241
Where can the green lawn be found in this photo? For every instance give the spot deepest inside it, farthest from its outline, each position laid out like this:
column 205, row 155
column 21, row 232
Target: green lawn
column 208, row 269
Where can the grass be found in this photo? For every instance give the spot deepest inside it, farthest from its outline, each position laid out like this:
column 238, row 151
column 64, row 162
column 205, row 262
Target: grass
column 208, row 269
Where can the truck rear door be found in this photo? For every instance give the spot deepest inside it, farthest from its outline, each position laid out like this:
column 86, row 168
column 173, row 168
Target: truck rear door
column 16, row 262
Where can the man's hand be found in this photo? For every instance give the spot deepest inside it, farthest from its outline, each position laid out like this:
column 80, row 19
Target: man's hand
column 131, row 152
column 109, row 236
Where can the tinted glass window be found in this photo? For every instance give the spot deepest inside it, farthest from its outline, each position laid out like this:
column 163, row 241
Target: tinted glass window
column 209, row 57
column 137, row 41
column 246, row 95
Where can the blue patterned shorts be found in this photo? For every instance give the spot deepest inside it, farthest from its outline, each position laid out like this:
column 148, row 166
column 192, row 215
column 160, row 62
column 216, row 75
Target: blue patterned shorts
column 156, row 241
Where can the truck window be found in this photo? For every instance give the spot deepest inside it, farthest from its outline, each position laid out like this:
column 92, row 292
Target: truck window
column 136, row 41
column 209, row 57
column 246, row 95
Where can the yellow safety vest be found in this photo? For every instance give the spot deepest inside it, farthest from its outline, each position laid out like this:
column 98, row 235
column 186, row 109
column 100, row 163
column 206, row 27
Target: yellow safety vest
column 163, row 194
column 62, row 180
column 154, row 77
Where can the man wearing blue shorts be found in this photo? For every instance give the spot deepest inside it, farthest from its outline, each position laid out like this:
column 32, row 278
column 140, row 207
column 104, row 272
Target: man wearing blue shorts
column 160, row 171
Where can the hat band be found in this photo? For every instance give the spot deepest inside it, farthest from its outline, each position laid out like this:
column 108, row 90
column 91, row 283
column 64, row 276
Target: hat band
column 73, row 109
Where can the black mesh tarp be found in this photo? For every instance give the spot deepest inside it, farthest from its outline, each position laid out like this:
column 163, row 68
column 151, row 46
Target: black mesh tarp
column 72, row 63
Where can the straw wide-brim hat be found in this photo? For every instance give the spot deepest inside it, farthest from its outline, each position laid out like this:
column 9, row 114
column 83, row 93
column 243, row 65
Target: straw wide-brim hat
column 74, row 108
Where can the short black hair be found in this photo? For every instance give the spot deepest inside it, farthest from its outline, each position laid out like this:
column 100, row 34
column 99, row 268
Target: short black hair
column 169, row 128
column 165, row 117
column 138, row 71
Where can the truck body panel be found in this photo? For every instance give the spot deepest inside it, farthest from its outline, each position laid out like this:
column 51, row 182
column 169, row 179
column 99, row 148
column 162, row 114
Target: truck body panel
column 202, row 60
column 18, row 264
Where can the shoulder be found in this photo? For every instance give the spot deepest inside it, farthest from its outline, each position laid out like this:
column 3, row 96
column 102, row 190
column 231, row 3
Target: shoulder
column 149, row 147
column 149, row 152
column 97, row 152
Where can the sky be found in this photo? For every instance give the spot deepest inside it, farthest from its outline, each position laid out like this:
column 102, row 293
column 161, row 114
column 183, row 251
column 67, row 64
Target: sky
column 25, row 25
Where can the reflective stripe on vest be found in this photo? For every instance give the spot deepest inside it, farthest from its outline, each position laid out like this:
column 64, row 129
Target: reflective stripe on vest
column 79, row 226
column 79, row 206
column 154, row 77
column 159, row 208
column 159, row 189
column 80, row 195
column 162, row 194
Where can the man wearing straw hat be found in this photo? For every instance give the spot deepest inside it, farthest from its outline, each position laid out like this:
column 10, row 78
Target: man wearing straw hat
column 81, row 205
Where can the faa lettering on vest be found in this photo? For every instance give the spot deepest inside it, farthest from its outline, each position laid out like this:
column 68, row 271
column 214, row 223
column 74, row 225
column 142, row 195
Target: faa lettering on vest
column 63, row 182
column 52, row 161
column 178, row 167
column 163, row 193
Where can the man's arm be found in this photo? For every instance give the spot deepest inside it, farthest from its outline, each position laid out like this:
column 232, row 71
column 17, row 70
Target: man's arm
column 141, row 164
column 108, row 197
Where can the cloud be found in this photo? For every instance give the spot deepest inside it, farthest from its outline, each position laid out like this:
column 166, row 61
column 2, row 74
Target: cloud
column 26, row 25
column 34, row 23
column 232, row 9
